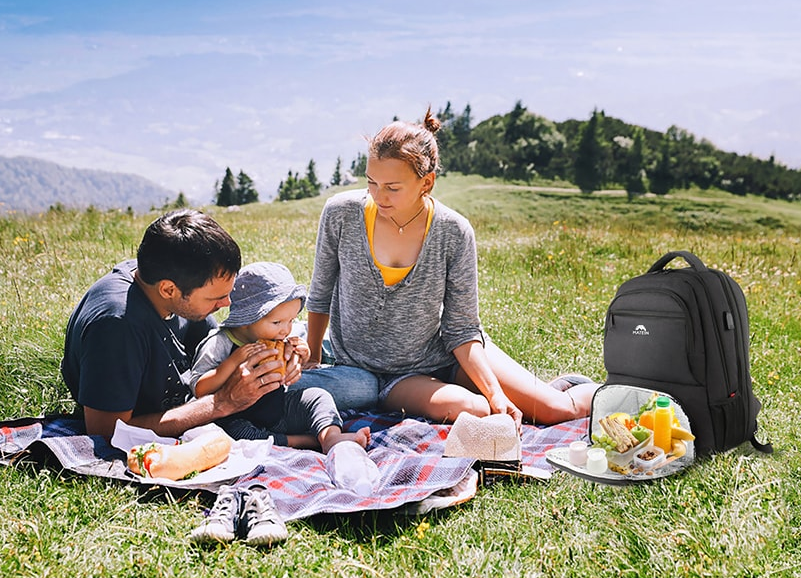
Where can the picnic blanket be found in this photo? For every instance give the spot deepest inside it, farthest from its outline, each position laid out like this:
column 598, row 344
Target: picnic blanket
column 415, row 477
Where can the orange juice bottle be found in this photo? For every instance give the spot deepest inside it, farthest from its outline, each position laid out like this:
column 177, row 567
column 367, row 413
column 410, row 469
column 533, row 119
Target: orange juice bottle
column 662, row 424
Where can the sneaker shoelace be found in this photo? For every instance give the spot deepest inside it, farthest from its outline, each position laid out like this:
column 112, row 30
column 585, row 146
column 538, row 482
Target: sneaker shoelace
column 258, row 508
column 225, row 508
column 255, row 506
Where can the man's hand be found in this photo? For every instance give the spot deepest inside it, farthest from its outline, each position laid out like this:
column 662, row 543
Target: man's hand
column 248, row 383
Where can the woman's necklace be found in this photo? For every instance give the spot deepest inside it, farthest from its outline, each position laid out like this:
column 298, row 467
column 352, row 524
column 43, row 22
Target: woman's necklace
column 400, row 227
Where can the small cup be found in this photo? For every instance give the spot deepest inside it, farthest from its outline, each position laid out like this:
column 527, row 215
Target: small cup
column 596, row 460
column 577, row 454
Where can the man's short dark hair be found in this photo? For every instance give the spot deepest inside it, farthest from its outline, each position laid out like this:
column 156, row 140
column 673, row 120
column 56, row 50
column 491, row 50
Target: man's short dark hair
column 189, row 248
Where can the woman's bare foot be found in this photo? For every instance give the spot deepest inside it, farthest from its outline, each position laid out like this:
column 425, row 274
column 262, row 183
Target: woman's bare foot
column 332, row 435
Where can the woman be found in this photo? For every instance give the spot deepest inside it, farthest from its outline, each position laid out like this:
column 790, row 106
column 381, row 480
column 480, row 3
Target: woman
column 395, row 281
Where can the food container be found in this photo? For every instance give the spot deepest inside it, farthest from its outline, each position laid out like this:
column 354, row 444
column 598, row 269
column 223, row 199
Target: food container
column 577, row 453
column 596, row 461
column 625, row 458
column 648, row 458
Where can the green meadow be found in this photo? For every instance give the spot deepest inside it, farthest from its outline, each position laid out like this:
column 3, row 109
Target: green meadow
column 550, row 261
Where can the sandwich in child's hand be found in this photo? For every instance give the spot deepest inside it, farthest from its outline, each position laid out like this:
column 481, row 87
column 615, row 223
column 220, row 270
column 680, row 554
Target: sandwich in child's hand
column 176, row 462
column 279, row 345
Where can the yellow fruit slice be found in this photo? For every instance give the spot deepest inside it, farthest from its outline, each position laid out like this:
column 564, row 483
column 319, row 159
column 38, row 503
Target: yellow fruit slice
column 620, row 416
column 677, row 448
column 679, row 433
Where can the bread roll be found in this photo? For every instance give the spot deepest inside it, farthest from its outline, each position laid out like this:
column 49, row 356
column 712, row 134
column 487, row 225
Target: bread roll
column 279, row 345
column 175, row 462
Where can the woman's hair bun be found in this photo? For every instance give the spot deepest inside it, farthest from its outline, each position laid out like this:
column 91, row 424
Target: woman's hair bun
column 431, row 122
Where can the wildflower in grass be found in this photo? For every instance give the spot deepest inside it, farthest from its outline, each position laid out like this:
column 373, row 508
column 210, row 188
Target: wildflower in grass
column 420, row 532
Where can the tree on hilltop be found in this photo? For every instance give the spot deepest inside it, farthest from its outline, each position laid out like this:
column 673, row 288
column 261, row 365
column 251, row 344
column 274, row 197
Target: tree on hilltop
column 453, row 138
column 295, row 187
column 634, row 169
column 662, row 179
column 226, row 194
column 336, row 178
column 588, row 166
column 235, row 191
column 359, row 165
column 311, row 177
column 246, row 191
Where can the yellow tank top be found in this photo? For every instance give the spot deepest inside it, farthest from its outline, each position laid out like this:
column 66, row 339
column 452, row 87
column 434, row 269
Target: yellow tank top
column 391, row 275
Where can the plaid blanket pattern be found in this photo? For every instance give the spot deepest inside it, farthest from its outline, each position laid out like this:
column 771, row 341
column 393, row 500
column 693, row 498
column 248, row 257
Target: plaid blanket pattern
column 536, row 440
column 407, row 451
column 65, row 440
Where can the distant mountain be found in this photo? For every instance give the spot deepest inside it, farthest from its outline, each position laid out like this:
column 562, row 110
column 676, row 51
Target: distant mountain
column 31, row 185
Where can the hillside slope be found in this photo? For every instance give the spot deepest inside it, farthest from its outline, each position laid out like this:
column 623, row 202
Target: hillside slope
column 31, row 185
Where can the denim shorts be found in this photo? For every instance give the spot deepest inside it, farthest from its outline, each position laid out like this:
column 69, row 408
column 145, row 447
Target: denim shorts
column 386, row 381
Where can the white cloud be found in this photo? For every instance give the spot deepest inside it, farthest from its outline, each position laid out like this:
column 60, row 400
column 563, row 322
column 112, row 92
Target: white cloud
column 266, row 87
column 53, row 135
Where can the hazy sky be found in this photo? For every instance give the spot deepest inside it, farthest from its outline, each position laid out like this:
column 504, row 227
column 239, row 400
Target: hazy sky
column 177, row 91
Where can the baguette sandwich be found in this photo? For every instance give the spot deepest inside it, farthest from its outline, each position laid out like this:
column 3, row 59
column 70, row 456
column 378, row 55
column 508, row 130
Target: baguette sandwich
column 176, row 462
column 279, row 345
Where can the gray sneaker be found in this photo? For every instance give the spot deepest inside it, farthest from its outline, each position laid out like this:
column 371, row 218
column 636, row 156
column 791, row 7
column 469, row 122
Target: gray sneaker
column 260, row 524
column 221, row 523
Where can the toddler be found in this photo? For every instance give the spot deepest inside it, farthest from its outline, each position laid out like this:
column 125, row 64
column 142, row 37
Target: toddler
column 265, row 301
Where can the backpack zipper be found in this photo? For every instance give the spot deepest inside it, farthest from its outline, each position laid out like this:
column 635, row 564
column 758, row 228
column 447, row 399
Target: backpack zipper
column 742, row 361
column 689, row 336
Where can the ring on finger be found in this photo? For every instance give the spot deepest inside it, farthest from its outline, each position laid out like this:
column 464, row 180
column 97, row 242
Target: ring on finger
column 261, row 380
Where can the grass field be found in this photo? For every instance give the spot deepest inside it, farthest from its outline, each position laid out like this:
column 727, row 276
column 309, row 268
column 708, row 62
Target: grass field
column 550, row 262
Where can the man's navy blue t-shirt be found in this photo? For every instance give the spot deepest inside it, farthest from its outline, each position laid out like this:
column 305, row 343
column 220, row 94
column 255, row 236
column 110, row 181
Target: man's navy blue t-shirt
column 120, row 355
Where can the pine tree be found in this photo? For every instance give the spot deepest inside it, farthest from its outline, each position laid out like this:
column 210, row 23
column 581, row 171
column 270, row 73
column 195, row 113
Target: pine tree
column 246, row 191
column 513, row 129
column 634, row 168
column 461, row 126
column 662, row 180
column 226, row 195
column 287, row 188
column 313, row 185
column 589, row 156
column 336, row 178
column 359, row 165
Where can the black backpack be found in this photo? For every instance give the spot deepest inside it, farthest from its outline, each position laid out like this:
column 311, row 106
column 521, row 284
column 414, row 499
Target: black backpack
column 684, row 332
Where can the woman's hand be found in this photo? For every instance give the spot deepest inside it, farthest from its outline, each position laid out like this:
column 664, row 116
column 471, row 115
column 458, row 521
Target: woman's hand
column 499, row 403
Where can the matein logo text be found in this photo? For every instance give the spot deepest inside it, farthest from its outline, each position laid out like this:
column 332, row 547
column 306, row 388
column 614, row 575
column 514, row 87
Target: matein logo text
column 640, row 330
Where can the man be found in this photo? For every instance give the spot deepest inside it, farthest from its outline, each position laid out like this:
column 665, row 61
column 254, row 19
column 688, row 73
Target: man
column 130, row 341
